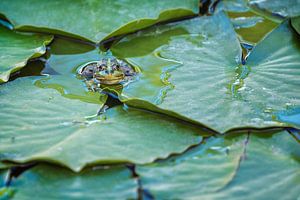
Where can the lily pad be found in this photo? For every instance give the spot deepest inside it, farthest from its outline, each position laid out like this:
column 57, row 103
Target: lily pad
column 16, row 49
column 66, row 56
column 230, row 168
column 49, row 182
column 54, row 129
column 93, row 20
column 296, row 24
column 287, row 8
column 233, row 5
column 250, row 24
column 211, row 86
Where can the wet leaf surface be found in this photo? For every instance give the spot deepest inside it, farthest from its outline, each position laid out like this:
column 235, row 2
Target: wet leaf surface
column 93, row 20
column 250, row 25
column 211, row 83
column 219, row 72
column 232, row 168
column 17, row 49
column 75, row 138
column 296, row 24
column 288, row 8
column 66, row 57
column 49, row 182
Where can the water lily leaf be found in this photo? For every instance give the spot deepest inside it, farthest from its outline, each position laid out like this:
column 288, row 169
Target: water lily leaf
column 211, row 86
column 4, row 166
column 288, row 8
column 65, row 59
column 93, row 20
column 55, row 129
column 250, row 23
column 296, row 24
column 255, row 167
column 96, row 183
column 16, row 49
column 233, row 5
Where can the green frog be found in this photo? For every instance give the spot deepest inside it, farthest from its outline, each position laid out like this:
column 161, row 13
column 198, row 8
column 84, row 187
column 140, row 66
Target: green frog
column 107, row 71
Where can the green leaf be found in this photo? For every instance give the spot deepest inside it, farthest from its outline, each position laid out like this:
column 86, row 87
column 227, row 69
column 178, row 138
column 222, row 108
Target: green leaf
column 233, row 5
column 16, row 49
column 210, row 86
column 49, row 182
column 250, row 24
column 287, row 8
column 296, row 24
column 93, row 20
column 230, row 168
column 66, row 56
column 54, row 129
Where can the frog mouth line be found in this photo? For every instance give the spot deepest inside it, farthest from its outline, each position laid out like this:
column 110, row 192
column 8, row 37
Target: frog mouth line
column 110, row 80
column 109, row 77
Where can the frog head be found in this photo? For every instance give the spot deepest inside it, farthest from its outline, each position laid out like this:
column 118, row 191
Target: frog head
column 109, row 71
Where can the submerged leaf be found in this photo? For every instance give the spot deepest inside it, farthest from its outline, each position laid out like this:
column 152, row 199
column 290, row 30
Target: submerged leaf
column 16, row 49
column 93, row 20
column 54, row 129
column 211, row 86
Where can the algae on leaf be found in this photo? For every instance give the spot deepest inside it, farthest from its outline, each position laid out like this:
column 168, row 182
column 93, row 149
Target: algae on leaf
column 211, row 86
column 50, row 182
column 16, row 49
column 253, row 167
column 93, row 20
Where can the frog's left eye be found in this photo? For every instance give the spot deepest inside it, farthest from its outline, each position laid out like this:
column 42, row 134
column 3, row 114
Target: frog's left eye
column 101, row 67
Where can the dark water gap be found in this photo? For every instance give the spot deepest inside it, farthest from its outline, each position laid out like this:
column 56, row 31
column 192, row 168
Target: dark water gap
column 142, row 193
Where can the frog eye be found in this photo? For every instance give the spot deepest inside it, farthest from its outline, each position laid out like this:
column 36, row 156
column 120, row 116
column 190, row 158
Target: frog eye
column 101, row 67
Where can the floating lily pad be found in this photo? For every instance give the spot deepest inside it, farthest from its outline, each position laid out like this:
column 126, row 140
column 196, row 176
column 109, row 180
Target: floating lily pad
column 93, row 20
column 250, row 24
column 16, row 49
column 49, row 182
column 287, row 8
column 55, row 129
column 230, row 168
column 296, row 24
column 211, row 86
column 65, row 59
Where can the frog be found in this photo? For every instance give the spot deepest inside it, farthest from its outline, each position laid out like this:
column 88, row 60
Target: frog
column 107, row 71
column 109, row 76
